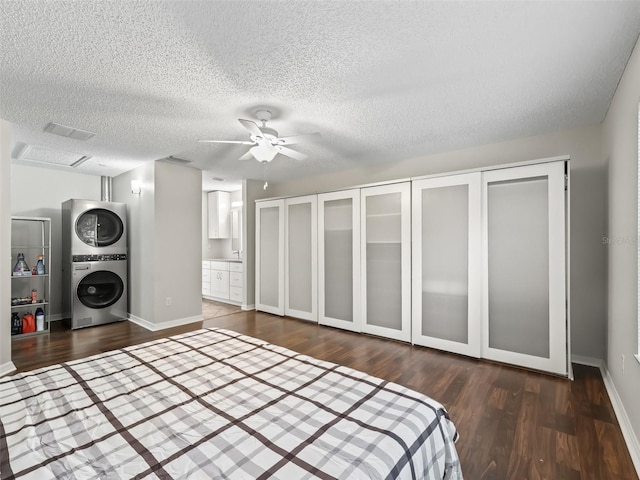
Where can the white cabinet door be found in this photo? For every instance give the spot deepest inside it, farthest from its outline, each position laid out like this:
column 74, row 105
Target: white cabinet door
column 301, row 258
column 220, row 284
column 339, row 260
column 524, row 290
column 218, row 210
column 447, row 255
column 385, row 260
column 270, row 256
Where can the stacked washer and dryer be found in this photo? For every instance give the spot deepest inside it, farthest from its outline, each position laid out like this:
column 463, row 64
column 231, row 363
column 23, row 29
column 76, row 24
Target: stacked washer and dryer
column 94, row 258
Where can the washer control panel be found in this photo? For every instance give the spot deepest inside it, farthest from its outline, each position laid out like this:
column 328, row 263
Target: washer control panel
column 99, row 258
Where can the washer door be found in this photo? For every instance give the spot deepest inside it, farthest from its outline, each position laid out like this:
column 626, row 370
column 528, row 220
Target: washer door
column 100, row 289
column 99, row 227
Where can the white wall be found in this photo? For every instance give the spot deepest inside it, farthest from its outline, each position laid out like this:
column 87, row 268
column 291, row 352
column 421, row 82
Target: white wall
column 39, row 192
column 6, row 366
column 621, row 148
column 588, row 209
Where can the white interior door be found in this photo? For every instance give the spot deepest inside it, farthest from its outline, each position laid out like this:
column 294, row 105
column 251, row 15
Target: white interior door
column 270, row 256
column 301, row 258
column 339, row 260
column 385, row 259
column 447, row 253
column 524, row 296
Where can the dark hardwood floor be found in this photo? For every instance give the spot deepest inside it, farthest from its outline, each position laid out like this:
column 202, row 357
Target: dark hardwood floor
column 513, row 424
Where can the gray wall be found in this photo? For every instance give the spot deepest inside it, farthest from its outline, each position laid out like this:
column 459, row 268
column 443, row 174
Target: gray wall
column 164, row 247
column 177, row 257
column 53, row 187
column 141, row 240
column 621, row 149
column 5, row 247
column 588, row 209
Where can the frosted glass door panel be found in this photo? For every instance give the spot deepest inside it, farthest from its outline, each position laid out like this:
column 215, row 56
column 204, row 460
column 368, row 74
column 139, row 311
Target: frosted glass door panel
column 447, row 254
column 269, row 256
column 524, row 278
column 519, row 266
column 385, row 260
column 338, row 244
column 445, row 262
column 338, row 220
column 301, row 258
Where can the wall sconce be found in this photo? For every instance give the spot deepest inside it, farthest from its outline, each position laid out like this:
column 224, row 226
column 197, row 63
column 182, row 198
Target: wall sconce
column 136, row 188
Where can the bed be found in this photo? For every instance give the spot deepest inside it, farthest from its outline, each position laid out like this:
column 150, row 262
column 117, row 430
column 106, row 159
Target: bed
column 217, row 404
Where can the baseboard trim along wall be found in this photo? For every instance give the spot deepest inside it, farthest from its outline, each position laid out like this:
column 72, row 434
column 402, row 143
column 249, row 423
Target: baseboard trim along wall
column 621, row 414
column 154, row 327
column 7, row 368
column 246, row 308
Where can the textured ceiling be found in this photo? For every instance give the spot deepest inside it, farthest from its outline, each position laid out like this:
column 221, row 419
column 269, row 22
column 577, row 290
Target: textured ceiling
column 380, row 80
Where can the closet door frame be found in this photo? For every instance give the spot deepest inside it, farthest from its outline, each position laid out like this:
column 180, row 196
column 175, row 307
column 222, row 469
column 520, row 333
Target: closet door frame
column 558, row 319
column 323, row 319
column 260, row 205
column 474, row 273
column 313, row 315
column 404, row 189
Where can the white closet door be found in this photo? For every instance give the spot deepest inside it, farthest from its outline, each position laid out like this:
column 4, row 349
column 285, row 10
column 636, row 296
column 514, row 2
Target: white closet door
column 524, row 293
column 301, row 258
column 339, row 260
column 270, row 256
column 385, row 251
column 447, row 253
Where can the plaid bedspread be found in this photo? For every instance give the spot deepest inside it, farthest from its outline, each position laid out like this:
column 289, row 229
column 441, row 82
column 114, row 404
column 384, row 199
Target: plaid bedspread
column 217, row 404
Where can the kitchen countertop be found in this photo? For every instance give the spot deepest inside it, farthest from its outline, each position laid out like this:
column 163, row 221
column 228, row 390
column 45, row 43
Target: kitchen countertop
column 237, row 260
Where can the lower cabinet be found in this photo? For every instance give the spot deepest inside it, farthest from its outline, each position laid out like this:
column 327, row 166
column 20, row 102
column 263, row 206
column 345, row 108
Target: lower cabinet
column 222, row 281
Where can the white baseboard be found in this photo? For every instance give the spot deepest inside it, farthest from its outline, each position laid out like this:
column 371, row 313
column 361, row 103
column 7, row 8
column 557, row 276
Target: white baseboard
column 154, row 327
column 630, row 437
column 7, row 368
column 246, row 308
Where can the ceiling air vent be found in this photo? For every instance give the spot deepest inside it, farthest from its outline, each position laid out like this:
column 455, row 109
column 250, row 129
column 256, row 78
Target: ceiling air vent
column 177, row 161
column 69, row 132
column 41, row 155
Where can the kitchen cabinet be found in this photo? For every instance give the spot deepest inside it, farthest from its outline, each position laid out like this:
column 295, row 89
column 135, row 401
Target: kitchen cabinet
column 385, row 260
column 218, row 210
column 223, row 281
column 31, row 238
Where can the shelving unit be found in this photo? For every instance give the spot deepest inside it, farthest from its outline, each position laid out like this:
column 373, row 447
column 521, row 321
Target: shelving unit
column 30, row 236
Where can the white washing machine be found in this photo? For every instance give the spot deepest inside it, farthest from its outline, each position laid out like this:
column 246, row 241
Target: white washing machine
column 98, row 289
column 92, row 227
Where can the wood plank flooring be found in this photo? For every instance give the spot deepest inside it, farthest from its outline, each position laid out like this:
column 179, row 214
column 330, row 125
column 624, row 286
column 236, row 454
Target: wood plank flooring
column 513, row 424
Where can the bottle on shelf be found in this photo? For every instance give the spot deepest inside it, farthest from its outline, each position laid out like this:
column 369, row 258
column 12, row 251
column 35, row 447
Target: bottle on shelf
column 34, row 295
column 40, row 265
column 16, row 324
column 21, row 267
column 39, row 319
column 28, row 323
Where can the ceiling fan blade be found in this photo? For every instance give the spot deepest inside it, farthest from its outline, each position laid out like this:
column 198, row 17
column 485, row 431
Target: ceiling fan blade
column 291, row 153
column 297, row 138
column 247, row 156
column 251, row 126
column 227, row 141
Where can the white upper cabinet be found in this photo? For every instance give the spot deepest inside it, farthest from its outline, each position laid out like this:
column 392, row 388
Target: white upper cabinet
column 218, row 209
column 447, row 255
column 339, row 260
column 270, row 256
column 385, row 260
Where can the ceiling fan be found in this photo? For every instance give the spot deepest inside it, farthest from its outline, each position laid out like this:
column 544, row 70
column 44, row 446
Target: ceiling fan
column 266, row 142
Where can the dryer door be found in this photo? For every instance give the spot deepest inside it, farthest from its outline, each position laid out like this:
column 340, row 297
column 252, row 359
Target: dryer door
column 100, row 289
column 99, row 227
